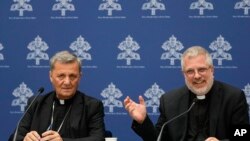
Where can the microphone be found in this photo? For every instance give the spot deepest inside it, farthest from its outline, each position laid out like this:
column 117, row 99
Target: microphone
column 37, row 94
column 192, row 105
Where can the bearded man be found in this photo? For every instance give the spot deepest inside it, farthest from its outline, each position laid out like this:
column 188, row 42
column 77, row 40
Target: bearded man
column 203, row 110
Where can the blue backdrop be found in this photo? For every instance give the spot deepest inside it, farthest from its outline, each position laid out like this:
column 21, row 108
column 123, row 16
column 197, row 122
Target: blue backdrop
column 128, row 48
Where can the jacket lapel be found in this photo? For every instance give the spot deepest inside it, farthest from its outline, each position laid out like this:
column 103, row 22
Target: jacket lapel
column 76, row 111
column 214, row 108
column 184, row 107
column 44, row 114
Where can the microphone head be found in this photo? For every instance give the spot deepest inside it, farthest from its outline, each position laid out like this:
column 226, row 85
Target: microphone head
column 41, row 90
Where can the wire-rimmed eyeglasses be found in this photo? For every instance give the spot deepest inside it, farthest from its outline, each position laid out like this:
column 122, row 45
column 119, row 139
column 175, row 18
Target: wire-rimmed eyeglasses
column 201, row 71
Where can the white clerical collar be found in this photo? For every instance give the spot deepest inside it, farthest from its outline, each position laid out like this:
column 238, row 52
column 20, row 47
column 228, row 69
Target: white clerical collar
column 201, row 97
column 61, row 101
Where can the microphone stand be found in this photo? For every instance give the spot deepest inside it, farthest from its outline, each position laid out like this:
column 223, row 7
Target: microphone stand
column 192, row 105
column 38, row 93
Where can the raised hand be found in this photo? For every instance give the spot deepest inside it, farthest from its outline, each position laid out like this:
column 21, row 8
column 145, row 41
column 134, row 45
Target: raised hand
column 136, row 111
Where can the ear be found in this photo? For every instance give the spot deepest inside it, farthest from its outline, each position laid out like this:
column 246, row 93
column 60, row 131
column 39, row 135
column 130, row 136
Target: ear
column 50, row 76
column 212, row 69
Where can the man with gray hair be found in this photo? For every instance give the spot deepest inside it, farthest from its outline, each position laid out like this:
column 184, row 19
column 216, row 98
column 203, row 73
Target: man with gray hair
column 203, row 110
column 64, row 114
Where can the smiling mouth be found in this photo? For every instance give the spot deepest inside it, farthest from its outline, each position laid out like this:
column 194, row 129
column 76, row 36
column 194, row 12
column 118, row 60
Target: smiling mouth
column 199, row 83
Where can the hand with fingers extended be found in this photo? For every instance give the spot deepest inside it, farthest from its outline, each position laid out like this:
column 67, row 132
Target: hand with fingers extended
column 137, row 111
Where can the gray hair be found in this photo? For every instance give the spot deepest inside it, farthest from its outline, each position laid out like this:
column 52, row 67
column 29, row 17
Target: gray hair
column 195, row 51
column 64, row 57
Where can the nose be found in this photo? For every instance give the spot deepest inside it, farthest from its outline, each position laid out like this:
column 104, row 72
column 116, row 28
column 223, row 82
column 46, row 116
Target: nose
column 67, row 80
column 196, row 74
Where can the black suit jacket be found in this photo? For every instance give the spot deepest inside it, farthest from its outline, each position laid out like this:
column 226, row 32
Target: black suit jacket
column 85, row 121
column 228, row 107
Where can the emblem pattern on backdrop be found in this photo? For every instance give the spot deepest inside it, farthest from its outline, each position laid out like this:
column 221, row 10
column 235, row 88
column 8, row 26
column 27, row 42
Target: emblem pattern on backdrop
column 112, row 96
column 128, row 48
column 22, row 94
column 153, row 95
column 37, row 50
column 247, row 93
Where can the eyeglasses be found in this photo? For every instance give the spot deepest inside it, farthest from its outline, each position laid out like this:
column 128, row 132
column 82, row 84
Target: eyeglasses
column 201, row 71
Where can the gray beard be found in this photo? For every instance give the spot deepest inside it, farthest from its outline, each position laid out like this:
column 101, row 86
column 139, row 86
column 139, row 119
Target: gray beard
column 201, row 91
